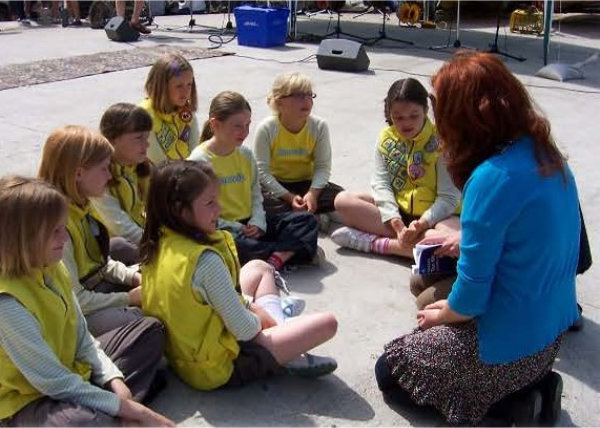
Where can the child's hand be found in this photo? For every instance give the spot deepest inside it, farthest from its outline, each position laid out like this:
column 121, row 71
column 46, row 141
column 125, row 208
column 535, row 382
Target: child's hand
column 136, row 414
column 135, row 297
column 397, row 224
column 252, row 231
column 266, row 321
column 118, row 386
column 311, row 199
column 298, row 203
column 414, row 231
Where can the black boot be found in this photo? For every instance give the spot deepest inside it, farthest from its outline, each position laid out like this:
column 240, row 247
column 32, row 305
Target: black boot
column 551, row 387
column 521, row 408
column 578, row 324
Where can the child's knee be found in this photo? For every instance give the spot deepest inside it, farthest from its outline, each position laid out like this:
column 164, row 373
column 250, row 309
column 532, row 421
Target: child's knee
column 342, row 200
column 259, row 266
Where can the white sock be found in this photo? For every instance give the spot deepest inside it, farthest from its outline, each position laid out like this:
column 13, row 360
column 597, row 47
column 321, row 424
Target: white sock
column 272, row 304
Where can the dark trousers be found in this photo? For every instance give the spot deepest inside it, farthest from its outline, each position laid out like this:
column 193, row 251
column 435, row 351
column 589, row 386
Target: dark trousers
column 108, row 319
column 136, row 348
column 286, row 231
column 325, row 202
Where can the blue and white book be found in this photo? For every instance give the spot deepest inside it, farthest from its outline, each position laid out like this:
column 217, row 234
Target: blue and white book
column 427, row 263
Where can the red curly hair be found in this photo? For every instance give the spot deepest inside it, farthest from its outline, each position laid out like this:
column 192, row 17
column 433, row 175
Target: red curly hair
column 480, row 107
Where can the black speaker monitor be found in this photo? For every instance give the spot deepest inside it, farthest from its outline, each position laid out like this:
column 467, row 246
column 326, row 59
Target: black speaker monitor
column 342, row 54
column 118, row 29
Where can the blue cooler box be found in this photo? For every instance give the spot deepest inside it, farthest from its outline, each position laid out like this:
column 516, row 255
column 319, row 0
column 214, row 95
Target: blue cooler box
column 261, row 26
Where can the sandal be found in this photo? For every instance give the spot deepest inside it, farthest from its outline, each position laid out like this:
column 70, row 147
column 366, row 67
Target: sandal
column 308, row 365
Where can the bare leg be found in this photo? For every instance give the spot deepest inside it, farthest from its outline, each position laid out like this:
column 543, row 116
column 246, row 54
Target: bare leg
column 290, row 340
column 358, row 210
column 120, row 8
column 137, row 10
column 257, row 280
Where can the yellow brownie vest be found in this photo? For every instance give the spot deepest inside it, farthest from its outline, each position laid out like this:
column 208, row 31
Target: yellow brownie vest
column 235, row 175
column 54, row 309
column 131, row 191
column 90, row 243
column 170, row 132
column 292, row 155
column 411, row 167
column 199, row 347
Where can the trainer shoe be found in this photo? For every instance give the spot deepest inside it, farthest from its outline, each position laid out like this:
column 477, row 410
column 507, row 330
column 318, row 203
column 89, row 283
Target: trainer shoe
column 292, row 306
column 308, row 365
column 319, row 258
column 352, row 238
column 323, row 221
column 280, row 282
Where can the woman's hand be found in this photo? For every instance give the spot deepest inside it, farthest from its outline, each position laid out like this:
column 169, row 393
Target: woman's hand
column 251, row 231
column 432, row 315
column 450, row 243
column 136, row 414
column 266, row 321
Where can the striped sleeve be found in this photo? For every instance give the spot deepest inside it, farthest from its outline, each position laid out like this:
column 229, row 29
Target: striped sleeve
column 21, row 339
column 212, row 283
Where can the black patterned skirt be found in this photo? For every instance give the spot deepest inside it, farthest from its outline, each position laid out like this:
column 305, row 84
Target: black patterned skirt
column 441, row 367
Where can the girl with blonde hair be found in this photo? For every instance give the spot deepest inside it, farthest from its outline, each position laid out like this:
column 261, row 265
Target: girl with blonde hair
column 76, row 160
column 52, row 371
column 293, row 150
column 172, row 102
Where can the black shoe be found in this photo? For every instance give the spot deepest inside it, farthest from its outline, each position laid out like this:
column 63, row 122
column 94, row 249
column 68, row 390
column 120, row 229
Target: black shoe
column 578, row 324
column 525, row 410
column 551, row 387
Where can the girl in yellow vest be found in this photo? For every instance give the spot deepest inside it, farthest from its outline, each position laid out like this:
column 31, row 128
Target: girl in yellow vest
column 123, row 207
column 293, row 150
column 76, row 160
column 172, row 102
column 274, row 237
column 52, row 371
column 225, row 325
column 412, row 193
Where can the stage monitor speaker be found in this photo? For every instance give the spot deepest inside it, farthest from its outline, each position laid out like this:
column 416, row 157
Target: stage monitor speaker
column 118, row 29
column 342, row 54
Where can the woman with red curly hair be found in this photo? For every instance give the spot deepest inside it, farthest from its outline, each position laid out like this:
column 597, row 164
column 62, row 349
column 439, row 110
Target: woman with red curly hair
column 496, row 336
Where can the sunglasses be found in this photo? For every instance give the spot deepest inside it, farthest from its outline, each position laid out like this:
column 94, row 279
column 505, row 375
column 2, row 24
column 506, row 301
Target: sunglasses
column 301, row 96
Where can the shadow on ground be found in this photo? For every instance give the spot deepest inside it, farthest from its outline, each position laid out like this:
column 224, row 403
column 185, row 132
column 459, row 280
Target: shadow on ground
column 579, row 354
column 281, row 401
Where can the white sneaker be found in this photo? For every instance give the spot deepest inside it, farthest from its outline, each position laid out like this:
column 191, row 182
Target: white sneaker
column 308, row 365
column 352, row 238
column 280, row 282
column 292, row 306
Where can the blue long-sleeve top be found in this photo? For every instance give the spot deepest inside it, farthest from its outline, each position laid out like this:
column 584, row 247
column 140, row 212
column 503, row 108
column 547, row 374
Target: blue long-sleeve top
column 518, row 254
